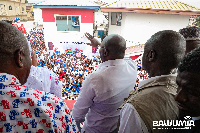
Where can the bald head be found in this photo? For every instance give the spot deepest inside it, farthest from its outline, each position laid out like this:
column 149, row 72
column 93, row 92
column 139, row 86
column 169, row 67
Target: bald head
column 164, row 49
column 113, row 47
column 14, row 52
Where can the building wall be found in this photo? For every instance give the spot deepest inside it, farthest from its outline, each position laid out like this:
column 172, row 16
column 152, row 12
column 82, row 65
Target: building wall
column 113, row 29
column 38, row 15
column 16, row 12
column 50, row 29
column 3, row 8
column 86, row 14
column 137, row 28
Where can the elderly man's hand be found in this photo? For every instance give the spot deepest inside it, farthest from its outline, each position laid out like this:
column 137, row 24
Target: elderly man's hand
column 34, row 59
column 94, row 42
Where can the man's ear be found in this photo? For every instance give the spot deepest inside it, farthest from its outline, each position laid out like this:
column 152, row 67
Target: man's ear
column 19, row 58
column 105, row 52
column 152, row 55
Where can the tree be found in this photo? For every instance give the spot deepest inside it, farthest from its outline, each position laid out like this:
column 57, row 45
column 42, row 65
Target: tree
column 26, row 1
column 197, row 21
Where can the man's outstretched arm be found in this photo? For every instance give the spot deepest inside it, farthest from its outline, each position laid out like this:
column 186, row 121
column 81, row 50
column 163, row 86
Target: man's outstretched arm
column 94, row 41
column 84, row 102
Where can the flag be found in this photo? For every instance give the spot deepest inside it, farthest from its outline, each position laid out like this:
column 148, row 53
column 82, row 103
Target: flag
column 57, row 52
column 94, row 49
column 50, row 45
column 55, row 49
column 68, row 51
column 79, row 50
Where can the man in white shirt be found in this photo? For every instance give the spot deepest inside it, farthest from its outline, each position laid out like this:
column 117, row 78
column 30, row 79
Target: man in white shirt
column 154, row 99
column 43, row 79
column 104, row 90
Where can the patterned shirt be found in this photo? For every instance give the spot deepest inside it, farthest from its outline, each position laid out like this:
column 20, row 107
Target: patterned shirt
column 26, row 110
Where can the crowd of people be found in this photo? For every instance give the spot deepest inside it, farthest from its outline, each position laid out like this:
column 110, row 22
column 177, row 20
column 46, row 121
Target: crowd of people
column 70, row 68
column 141, row 73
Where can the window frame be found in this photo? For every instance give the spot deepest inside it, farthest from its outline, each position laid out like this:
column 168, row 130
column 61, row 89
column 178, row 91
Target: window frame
column 115, row 17
column 10, row 9
column 55, row 15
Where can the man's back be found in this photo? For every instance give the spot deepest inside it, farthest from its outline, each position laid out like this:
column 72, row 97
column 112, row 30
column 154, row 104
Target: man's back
column 154, row 101
column 103, row 92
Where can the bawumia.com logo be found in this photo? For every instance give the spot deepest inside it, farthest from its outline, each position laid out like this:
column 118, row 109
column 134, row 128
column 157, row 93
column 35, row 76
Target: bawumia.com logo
column 174, row 124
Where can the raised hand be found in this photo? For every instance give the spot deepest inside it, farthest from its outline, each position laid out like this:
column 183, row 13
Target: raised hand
column 34, row 59
column 94, row 42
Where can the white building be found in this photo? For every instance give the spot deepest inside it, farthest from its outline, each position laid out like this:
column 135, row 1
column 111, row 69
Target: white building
column 11, row 10
column 136, row 21
column 65, row 22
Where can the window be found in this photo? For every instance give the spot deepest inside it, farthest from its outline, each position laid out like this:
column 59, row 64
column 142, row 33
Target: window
column 116, row 18
column 22, row 9
column 68, row 23
column 10, row 7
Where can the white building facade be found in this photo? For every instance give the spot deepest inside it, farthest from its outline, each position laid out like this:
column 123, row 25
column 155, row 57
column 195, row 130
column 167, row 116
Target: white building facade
column 136, row 21
column 137, row 28
column 65, row 22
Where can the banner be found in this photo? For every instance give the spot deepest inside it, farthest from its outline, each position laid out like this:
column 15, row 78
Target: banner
column 50, row 45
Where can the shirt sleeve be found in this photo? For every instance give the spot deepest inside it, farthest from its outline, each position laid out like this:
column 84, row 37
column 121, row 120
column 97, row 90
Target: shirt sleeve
column 130, row 121
column 43, row 79
column 56, row 86
column 62, row 116
column 70, row 122
column 84, row 101
column 131, row 63
column 35, row 79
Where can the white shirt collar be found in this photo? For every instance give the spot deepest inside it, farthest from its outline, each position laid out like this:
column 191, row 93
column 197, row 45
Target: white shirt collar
column 112, row 62
column 141, row 83
column 196, row 118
